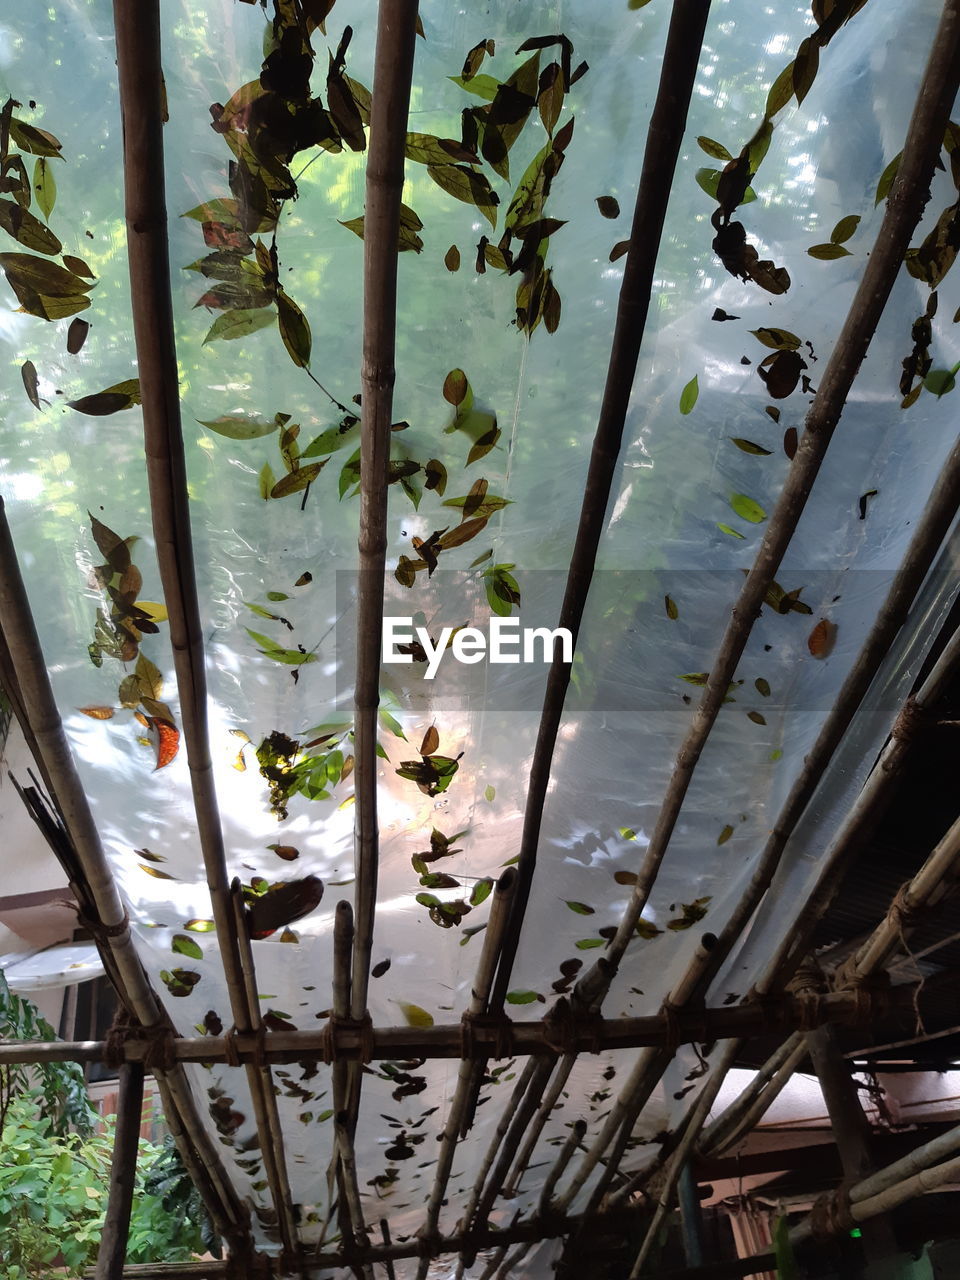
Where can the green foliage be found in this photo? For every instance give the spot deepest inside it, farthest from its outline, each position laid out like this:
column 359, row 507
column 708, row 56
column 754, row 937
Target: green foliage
column 57, row 1089
column 53, row 1199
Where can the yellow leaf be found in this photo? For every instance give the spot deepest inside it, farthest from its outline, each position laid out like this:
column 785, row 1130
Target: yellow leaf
column 414, row 1015
column 157, row 612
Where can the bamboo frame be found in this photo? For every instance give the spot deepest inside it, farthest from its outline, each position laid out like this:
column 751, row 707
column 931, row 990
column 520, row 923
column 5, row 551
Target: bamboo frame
column 137, row 27
column 746, row 1111
column 471, row 1070
column 905, row 205
column 664, row 138
column 393, row 72
column 95, row 882
column 112, row 1252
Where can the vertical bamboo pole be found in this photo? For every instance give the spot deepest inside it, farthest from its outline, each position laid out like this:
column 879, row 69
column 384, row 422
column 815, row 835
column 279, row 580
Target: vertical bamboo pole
column 392, row 75
column 112, row 1252
column 680, row 61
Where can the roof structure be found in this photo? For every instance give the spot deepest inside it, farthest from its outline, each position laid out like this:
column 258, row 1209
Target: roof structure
column 632, row 324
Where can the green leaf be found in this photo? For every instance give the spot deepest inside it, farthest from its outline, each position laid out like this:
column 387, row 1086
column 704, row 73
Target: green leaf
column 26, row 229
column 940, row 381
column 467, row 185
column 45, row 187
column 628, row 833
column 488, row 794
column 580, row 908
column 762, row 687
column 481, row 891
column 826, row 252
column 483, row 86
column 780, row 93
column 28, row 137
column 734, row 533
column 265, row 480
column 845, row 228
column 294, row 329
column 689, row 394
column 239, row 428
column 200, row 926
column 715, row 149
column 239, row 323
column 747, row 509
column 749, row 447
column 522, row 997
column 777, row 339
column 783, row 1250
column 294, row 481
column 708, row 180
column 725, row 834
column 185, row 946
column 588, row 944
column 670, row 606
column 887, row 177
column 122, row 395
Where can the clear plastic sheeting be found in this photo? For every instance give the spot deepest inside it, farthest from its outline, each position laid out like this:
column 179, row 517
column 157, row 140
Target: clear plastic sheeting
column 704, row 459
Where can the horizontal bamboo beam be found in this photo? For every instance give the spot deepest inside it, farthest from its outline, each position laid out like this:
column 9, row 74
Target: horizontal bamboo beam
column 532, row 1230
column 445, row 1040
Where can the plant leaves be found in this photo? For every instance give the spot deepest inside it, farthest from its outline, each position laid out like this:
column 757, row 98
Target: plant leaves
column 625, row 877
column 845, row 228
column 238, row 323
column 481, row 891
column 76, row 336
column 777, row 339
column 122, row 395
column 827, row 252
column 26, row 229
column 714, row 149
column 451, row 259
column 522, row 997
column 747, row 509
column 294, row 329
column 748, row 446
column 609, row 206
column 200, row 926
column 725, row 834
column 239, row 427
column 822, row 638
column 580, row 908
column 689, row 395
column 670, row 607
column 467, row 185
column 413, row 1015
column 431, row 742
column 185, row 946
column 28, row 372
column 98, row 713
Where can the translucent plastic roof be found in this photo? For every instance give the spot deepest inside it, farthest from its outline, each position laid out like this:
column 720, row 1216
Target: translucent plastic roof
column 728, row 369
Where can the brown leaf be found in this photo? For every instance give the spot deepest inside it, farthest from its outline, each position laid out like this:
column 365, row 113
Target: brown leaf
column 431, row 741
column 822, row 638
column 609, row 206
column 76, row 335
column 97, row 713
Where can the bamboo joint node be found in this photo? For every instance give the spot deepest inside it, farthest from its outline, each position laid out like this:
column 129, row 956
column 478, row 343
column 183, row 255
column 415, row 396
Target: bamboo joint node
column 363, row 1027
column 497, row 1023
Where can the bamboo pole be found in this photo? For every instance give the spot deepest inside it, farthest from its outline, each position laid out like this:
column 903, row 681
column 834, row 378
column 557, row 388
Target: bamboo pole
column 531, row 1230
column 664, row 138
column 529, row 1039
column 935, row 879
column 643, row 1078
column 262, row 1092
column 344, row 1158
column 112, row 1251
column 850, row 1128
column 923, row 1157
column 544, row 1111
column 519, row 1092
column 929, row 1179
column 745, row 1112
column 565, row 1155
column 679, row 1159
column 98, row 885
column 859, row 822
column 468, row 1079
column 908, row 197
column 137, row 26
column 393, row 71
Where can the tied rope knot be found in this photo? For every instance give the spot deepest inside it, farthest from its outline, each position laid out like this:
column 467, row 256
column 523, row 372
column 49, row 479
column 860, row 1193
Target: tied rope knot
column 94, row 925
column 159, row 1053
column 566, row 1026
column 331, row 1033
column 870, row 990
column 831, row 1213
column 806, row 987
column 497, row 1023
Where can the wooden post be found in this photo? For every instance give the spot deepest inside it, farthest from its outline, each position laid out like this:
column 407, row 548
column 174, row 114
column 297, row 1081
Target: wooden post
column 123, row 1171
column 851, row 1129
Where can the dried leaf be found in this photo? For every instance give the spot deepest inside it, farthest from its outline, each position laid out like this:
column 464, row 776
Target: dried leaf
column 670, row 606
column 451, row 259
column 77, row 335
column 725, row 834
column 822, row 638
column 28, row 372
column 98, row 713
column 609, row 206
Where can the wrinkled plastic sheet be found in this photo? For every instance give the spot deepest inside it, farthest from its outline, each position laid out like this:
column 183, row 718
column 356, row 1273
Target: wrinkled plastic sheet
column 629, row 708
